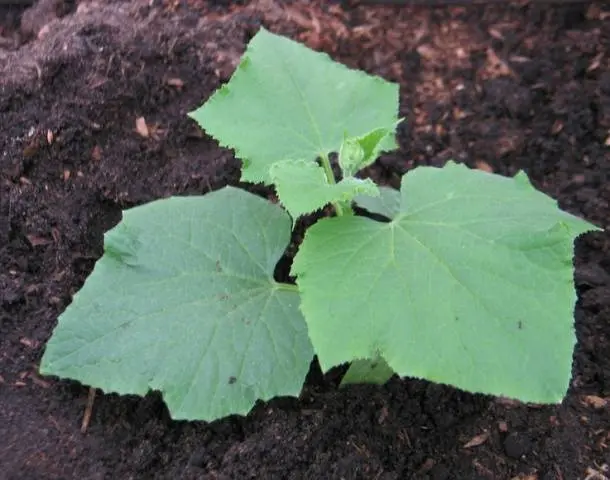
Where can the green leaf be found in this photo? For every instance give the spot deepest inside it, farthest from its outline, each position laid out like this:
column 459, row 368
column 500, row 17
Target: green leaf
column 360, row 152
column 471, row 284
column 366, row 370
column 302, row 187
column 184, row 301
column 386, row 204
column 286, row 101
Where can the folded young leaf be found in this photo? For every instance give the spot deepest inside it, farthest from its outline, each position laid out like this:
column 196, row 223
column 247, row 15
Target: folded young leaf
column 360, row 152
column 287, row 101
column 302, row 187
column 471, row 284
column 184, row 301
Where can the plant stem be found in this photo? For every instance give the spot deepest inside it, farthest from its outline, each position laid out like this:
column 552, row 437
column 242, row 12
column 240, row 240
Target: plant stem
column 328, row 169
column 341, row 209
column 287, row 287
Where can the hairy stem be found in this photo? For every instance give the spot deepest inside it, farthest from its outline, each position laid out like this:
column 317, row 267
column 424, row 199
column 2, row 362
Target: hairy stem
column 287, row 287
column 340, row 208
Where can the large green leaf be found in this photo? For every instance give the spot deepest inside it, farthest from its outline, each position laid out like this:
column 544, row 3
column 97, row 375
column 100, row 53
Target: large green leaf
column 286, row 101
column 184, row 301
column 303, row 188
column 471, row 284
column 386, row 204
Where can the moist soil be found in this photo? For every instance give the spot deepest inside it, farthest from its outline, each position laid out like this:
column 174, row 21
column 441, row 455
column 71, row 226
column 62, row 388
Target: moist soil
column 500, row 88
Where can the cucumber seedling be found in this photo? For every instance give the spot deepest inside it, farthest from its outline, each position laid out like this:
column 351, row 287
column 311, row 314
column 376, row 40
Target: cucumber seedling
column 469, row 282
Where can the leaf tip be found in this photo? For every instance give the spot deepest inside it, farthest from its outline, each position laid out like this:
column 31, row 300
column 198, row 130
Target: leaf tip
column 523, row 179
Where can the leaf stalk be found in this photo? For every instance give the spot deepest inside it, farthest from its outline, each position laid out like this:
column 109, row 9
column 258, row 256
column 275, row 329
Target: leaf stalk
column 340, row 207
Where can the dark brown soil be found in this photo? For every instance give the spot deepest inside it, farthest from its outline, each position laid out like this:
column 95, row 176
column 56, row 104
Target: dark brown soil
column 500, row 88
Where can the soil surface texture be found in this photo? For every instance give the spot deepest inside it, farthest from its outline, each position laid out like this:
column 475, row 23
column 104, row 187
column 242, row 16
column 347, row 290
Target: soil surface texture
column 501, row 88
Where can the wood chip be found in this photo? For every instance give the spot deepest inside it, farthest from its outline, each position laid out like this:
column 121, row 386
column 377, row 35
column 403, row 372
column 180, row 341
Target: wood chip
column 36, row 241
column 426, row 467
column 477, row 440
column 519, row 59
column 484, row 166
column 596, row 62
column 175, row 82
column 383, row 415
column 495, row 33
column 141, row 127
column 557, row 127
column 595, row 401
column 53, row 300
column 508, row 402
column 28, row 342
column 497, row 66
column 96, row 153
column 88, row 410
column 427, row 52
column 593, row 474
column 55, row 234
column 39, row 381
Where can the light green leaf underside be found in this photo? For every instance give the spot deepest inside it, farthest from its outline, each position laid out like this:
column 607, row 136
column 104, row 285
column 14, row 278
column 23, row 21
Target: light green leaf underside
column 286, row 101
column 302, row 187
column 184, row 301
column 470, row 285
column 387, row 204
column 375, row 371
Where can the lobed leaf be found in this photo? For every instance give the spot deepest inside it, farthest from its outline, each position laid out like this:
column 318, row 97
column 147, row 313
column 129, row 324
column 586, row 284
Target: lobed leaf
column 286, row 101
column 302, row 187
column 471, row 284
column 184, row 301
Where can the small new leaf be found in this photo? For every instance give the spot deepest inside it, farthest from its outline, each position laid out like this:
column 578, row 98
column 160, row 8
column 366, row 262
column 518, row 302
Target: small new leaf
column 351, row 156
column 286, row 101
column 303, row 188
column 184, row 302
column 360, row 152
column 471, row 284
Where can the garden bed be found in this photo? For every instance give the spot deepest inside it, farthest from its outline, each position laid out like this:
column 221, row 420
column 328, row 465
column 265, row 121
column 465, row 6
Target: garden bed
column 94, row 121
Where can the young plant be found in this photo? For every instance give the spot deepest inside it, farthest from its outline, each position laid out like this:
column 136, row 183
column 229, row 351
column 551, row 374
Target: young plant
column 469, row 282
